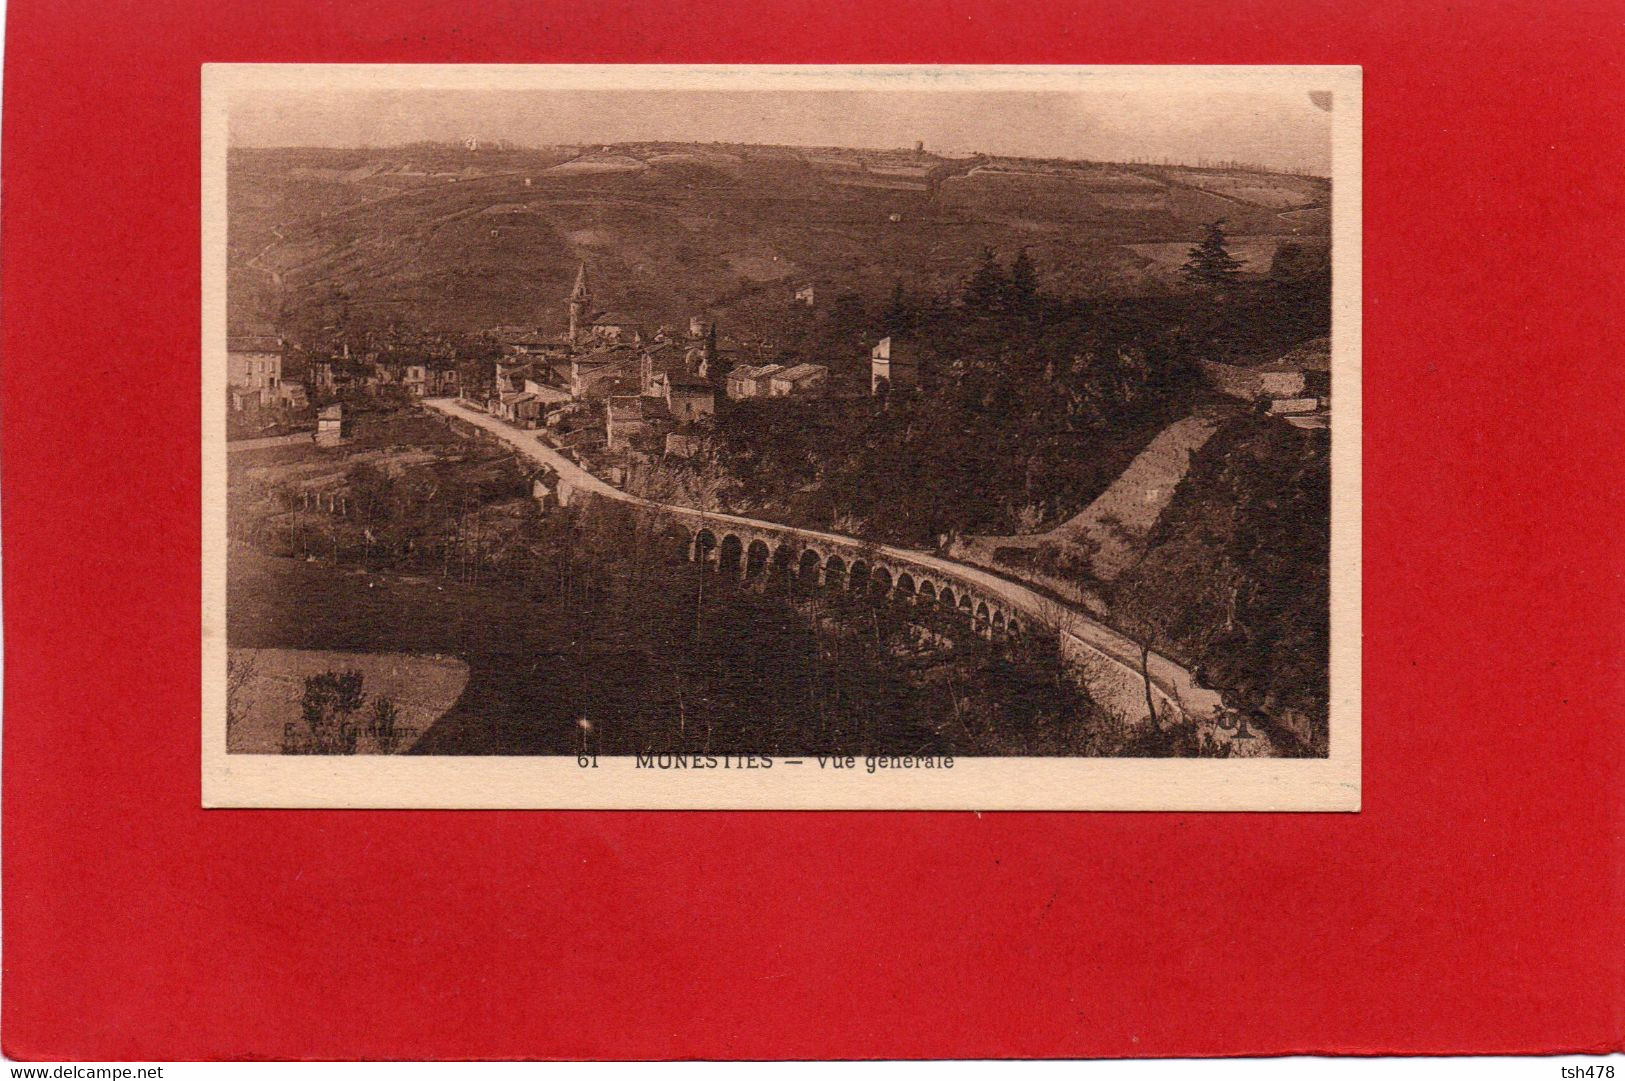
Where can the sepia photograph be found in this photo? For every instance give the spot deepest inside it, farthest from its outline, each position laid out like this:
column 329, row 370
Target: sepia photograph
column 589, row 436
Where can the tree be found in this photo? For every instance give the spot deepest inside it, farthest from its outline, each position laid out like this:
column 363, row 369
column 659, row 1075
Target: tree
column 1143, row 620
column 372, row 493
column 330, row 700
column 899, row 316
column 1023, row 285
column 987, row 288
column 381, row 726
column 241, row 668
column 1210, row 263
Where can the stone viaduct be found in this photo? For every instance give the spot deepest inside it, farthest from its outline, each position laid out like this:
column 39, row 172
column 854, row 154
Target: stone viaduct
column 997, row 607
column 765, row 553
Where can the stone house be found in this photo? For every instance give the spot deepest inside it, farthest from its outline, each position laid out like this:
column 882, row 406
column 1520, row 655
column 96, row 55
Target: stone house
column 1295, row 386
column 322, row 377
column 623, row 419
column 892, row 365
column 800, row 379
column 681, row 445
column 653, row 365
column 749, row 381
column 253, row 370
column 604, row 371
column 688, row 396
column 415, row 379
column 331, row 428
column 617, row 327
column 445, row 383
column 522, row 409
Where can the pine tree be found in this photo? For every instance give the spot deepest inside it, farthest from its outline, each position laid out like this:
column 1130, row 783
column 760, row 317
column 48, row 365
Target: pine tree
column 987, row 286
column 1023, row 287
column 1210, row 262
column 899, row 316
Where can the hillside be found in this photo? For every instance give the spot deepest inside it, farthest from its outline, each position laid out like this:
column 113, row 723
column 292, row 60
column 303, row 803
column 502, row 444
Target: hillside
column 465, row 240
column 1235, row 575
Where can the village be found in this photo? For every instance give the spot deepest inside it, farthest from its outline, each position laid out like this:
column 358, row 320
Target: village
column 608, row 386
column 613, row 388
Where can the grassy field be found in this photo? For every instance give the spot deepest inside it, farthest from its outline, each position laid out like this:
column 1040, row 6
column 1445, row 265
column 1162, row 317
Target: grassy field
column 421, row 687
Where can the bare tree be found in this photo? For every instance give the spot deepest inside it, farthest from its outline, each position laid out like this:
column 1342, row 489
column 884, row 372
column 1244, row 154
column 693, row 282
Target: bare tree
column 1144, row 627
column 381, row 725
column 241, row 667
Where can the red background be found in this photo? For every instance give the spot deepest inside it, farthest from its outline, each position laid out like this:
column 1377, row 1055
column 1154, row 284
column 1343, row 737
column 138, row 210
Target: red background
column 1474, row 905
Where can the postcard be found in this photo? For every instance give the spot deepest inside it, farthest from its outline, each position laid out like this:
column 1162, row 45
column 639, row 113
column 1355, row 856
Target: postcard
column 920, row 437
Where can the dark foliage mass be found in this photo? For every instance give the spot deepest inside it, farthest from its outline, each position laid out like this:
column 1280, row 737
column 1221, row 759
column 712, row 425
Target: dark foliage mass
column 1236, row 575
column 1028, row 406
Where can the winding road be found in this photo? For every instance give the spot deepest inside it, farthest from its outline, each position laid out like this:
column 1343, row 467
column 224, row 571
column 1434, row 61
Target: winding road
column 1115, row 675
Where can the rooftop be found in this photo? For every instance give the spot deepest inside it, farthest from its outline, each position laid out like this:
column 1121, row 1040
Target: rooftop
column 550, row 395
column 687, row 380
column 605, row 354
column 254, row 343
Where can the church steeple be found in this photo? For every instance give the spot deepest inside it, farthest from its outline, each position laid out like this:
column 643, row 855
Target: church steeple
column 580, row 304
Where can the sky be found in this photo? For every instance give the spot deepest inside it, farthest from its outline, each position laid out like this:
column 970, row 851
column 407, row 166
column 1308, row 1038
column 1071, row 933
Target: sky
column 1275, row 128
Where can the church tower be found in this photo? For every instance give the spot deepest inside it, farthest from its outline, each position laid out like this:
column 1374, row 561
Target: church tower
column 580, row 305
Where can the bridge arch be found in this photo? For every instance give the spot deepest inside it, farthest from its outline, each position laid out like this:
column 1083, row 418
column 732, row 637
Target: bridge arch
column 756, row 557
column 858, row 577
column 835, row 573
column 928, row 591
column 809, row 570
column 705, row 546
column 778, row 569
column 906, row 588
column 880, row 581
column 731, row 554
